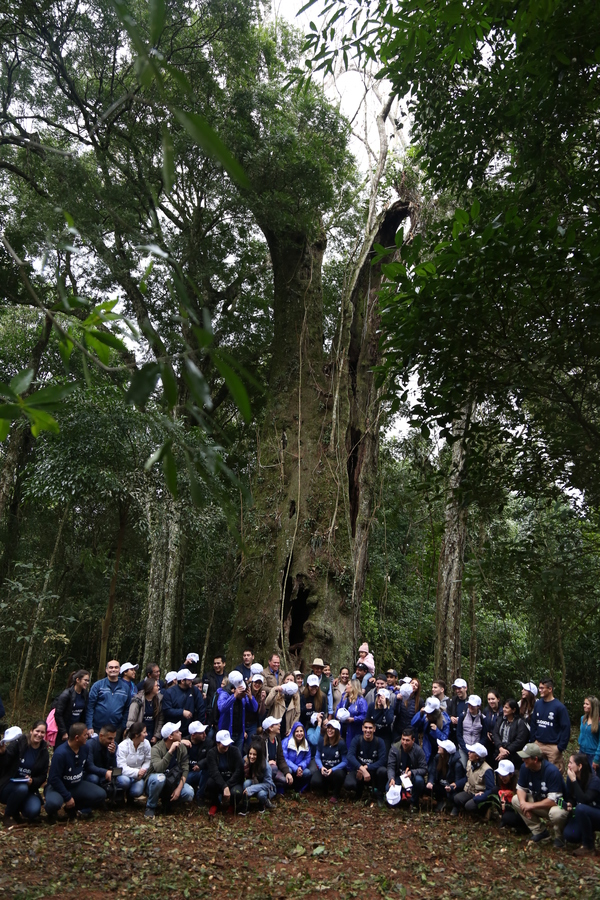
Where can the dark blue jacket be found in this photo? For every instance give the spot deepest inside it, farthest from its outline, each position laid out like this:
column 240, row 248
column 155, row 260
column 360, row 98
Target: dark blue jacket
column 66, row 769
column 332, row 757
column 550, row 723
column 108, row 704
column 547, row 780
column 454, row 773
column 372, row 753
column 177, row 699
column 383, row 720
column 2, row 713
column 358, row 711
column 99, row 760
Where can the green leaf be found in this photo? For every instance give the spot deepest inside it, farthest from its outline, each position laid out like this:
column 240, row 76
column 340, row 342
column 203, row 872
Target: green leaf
column 108, row 338
column 197, row 384
column 50, row 396
column 41, row 421
column 22, row 381
column 201, row 132
column 158, row 13
column 168, row 167
column 235, row 386
column 169, row 384
column 7, row 391
column 142, row 384
column 4, row 428
column 156, row 456
column 9, row 411
column 475, row 208
column 318, row 850
column 170, row 470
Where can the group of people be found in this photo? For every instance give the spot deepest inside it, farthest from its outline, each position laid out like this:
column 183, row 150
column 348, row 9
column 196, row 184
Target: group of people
column 237, row 739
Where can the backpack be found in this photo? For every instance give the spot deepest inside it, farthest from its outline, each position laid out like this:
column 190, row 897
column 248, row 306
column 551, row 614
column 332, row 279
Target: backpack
column 51, row 729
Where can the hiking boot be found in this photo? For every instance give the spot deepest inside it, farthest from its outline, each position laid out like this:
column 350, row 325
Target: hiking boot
column 584, row 851
column 149, row 813
column 10, row 822
column 454, row 811
column 558, row 843
column 540, row 836
column 440, row 807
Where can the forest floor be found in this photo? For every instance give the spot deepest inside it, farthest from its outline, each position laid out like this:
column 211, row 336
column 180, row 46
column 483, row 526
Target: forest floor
column 305, row 848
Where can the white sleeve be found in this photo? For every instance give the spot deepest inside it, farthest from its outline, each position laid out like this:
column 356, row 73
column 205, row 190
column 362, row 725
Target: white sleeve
column 122, row 753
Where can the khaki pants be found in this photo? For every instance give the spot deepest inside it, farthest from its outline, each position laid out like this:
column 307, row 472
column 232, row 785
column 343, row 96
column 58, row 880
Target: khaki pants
column 553, row 755
column 557, row 817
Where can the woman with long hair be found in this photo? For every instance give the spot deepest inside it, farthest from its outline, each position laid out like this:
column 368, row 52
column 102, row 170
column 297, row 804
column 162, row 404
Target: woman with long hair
column 258, row 777
column 589, row 732
column 133, row 756
column 330, row 762
column 283, row 702
column 297, row 754
column 24, row 765
column 510, row 734
column 71, row 705
column 528, row 695
column 583, row 796
column 444, row 770
column 146, row 707
column 382, row 716
column 356, row 705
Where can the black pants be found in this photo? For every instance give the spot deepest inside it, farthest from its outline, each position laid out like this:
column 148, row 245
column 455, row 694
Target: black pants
column 465, row 800
column 214, row 792
column 378, row 780
column 328, row 783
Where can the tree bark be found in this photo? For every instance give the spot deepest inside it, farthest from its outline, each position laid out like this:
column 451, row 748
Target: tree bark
column 447, row 657
column 112, row 594
column 165, row 580
column 303, row 572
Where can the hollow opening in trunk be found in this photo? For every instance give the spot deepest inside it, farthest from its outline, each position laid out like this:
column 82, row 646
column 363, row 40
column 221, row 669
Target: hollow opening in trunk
column 300, row 613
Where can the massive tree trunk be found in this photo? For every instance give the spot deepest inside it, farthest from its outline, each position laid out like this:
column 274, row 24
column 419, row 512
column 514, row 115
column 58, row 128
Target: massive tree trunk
column 447, row 658
column 165, row 582
column 303, row 573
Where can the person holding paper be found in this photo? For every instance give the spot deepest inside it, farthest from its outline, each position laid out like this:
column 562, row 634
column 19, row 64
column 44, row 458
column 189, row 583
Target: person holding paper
column 407, row 766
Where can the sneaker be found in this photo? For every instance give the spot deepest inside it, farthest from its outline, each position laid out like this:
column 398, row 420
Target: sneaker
column 454, row 811
column 333, row 799
column 269, row 804
column 558, row 843
column 149, row 813
column 441, row 806
column 212, row 811
column 540, row 836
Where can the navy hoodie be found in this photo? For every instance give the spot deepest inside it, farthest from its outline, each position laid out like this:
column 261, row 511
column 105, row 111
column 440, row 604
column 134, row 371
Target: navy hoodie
column 67, row 769
column 550, row 724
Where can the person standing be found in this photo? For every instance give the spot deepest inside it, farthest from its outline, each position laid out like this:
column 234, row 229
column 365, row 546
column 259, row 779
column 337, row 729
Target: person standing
column 589, row 732
column 71, row 705
column 550, row 726
column 108, row 702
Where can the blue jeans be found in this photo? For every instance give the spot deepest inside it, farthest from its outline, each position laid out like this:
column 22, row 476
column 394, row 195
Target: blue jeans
column 85, row 794
column 197, row 781
column 588, row 819
column 20, row 799
column 154, row 788
column 122, row 781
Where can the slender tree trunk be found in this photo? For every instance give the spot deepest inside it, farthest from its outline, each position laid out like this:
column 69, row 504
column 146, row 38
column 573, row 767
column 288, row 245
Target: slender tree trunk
column 165, row 580
column 40, row 606
column 302, row 579
column 207, row 636
column 473, row 641
column 447, row 658
column 112, row 594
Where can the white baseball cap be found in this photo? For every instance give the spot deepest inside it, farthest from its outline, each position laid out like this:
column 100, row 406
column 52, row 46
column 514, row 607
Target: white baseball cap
column 185, row 673
column 432, row 704
column 406, row 690
column 258, row 677
column 270, row 720
column 170, row 676
column 394, row 795
column 11, row 734
column 169, row 728
column 505, row 767
column 334, row 724
column 127, row 666
column 459, row 683
column 449, row 746
column 289, row 688
column 193, row 657
column 314, row 718
column 256, row 669
column 477, row 748
column 383, row 692
column 235, row 678
column 407, row 679
column 529, row 686
column 197, row 728
column 473, row 700
column 223, row 737
column 313, row 681
column 342, row 714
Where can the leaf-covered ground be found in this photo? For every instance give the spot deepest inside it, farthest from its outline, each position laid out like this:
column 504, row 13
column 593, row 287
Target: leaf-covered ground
column 302, row 849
